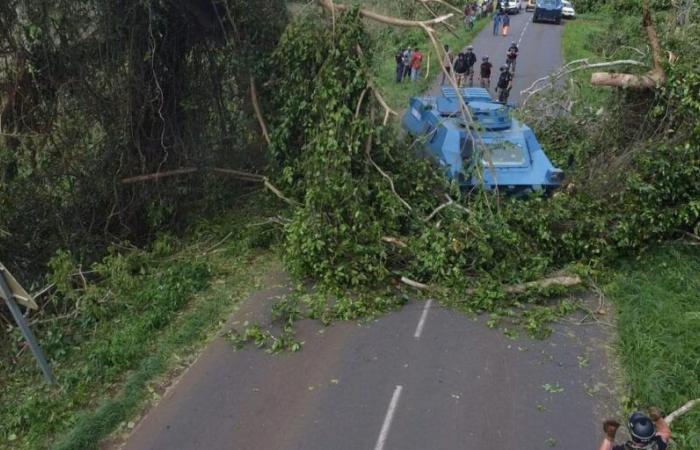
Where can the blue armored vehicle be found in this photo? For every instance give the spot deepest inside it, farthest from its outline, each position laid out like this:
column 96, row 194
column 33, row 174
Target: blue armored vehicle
column 506, row 149
column 549, row 10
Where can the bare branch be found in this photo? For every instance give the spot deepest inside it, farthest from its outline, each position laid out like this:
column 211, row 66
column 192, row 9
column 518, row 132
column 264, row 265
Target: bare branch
column 258, row 112
column 651, row 79
column 392, row 240
column 395, row 21
column 368, row 149
column 259, row 178
column 682, row 410
column 414, row 284
column 158, row 175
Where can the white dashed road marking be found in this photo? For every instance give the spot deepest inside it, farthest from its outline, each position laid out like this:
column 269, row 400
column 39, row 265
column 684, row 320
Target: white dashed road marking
column 388, row 418
column 522, row 33
column 421, row 322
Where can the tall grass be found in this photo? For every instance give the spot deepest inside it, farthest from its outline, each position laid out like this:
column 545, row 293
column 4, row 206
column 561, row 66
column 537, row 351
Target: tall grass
column 657, row 298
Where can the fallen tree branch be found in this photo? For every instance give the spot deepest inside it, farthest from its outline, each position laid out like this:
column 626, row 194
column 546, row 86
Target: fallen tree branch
column 569, row 68
column 443, row 3
column 682, row 410
column 414, row 284
column 649, row 80
column 563, row 281
column 368, row 149
column 449, row 27
column 259, row 178
column 392, row 240
column 395, row 21
column 158, row 175
column 449, row 202
column 258, row 112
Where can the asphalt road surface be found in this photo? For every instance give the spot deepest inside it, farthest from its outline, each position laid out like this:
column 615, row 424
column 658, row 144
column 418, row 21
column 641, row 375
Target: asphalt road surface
column 423, row 377
column 539, row 53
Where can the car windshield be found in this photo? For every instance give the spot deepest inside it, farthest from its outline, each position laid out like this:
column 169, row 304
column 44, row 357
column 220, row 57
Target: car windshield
column 549, row 3
column 505, row 153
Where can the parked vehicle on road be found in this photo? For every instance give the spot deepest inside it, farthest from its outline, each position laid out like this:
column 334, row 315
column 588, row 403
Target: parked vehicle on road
column 548, row 10
column 530, row 5
column 567, row 10
column 510, row 6
column 510, row 159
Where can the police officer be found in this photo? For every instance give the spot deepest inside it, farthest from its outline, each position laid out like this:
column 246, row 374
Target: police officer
column 649, row 432
column 470, row 59
column 505, row 83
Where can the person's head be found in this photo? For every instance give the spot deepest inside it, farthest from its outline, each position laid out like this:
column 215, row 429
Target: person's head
column 485, row 59
column 641, row 428
column 447, row 47
column 504, row 67
column 415, row 49
column 512, row 44
column 470, row 49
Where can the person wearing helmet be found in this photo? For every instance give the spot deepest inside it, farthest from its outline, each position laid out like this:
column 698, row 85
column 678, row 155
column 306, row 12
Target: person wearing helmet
column 460, row 67
column 649, row 432
column 486, row 67
column 470, row 59
column 505, row 83
column 511, row 56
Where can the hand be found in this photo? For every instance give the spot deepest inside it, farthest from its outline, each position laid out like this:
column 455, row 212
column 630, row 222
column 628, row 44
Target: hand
column 654, row 413
column 610, row 427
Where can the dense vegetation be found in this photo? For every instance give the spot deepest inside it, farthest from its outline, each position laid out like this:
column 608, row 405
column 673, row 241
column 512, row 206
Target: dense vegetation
column 94, row 96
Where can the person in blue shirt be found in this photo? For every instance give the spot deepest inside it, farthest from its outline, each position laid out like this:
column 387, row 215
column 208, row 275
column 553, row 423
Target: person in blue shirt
column 497, row 17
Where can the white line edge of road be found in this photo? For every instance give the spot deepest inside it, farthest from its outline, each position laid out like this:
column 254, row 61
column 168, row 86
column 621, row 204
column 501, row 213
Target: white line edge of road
column 388, row 418
column 522, row 33
column 423, row 316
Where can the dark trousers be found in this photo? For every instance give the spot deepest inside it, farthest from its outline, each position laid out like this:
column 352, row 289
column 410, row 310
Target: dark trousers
column 399, row 72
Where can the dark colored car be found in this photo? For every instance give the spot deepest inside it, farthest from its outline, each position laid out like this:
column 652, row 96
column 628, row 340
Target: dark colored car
column 548, row 10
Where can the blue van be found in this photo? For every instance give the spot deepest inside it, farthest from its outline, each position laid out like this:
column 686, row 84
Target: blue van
column 548, row 10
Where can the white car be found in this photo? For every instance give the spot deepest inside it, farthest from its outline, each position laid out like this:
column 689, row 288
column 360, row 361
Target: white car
column 510, row 6
column 567, row 10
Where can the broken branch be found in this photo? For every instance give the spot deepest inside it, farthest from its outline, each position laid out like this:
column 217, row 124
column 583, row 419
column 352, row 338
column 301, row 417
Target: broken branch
column 258, row 112
column 330, row 6
column 682, row 410
column 158, row 175
column 651, row 79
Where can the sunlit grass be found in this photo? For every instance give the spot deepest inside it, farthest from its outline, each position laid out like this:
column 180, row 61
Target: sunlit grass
column 657, row 298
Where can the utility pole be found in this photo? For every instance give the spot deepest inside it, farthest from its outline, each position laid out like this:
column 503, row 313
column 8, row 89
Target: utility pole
column 9, row 292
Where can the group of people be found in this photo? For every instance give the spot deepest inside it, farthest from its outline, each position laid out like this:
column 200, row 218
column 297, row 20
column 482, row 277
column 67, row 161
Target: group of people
column 408, row 64
column 464, row 68
column 501, row 23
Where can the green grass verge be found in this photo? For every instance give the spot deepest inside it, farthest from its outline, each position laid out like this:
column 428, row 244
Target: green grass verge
column 390, row 41
column 579, row 42
column 657, row 298
column 159, row 307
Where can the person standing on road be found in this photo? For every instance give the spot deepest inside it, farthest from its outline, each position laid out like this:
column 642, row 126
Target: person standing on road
column 416, row 61
column 505, row 83
column 467, row 15
column 460, row 69
column 511, row 56
column 506, row 24
column 470, row 59
column 447, row 63
column 647, row 432
column 486, row 67
column 407, row 54
column 399, row 66
column 497, row 22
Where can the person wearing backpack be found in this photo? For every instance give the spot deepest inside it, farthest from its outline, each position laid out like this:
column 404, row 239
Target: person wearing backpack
column 505, row 83
column 460, row 69
column 416, row 61
column 399, row 66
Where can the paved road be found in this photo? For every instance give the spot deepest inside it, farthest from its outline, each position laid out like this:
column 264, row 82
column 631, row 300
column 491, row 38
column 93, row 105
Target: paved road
column 421, row 378
column 540, row 50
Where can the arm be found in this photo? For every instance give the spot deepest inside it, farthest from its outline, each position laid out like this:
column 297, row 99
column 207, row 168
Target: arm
column 607, row 444
column 610, row 427
column 662, row 428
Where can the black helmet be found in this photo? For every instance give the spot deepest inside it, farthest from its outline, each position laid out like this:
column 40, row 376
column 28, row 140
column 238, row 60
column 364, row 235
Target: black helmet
column 641, row 428
column 485, row 58
column 504, row 67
